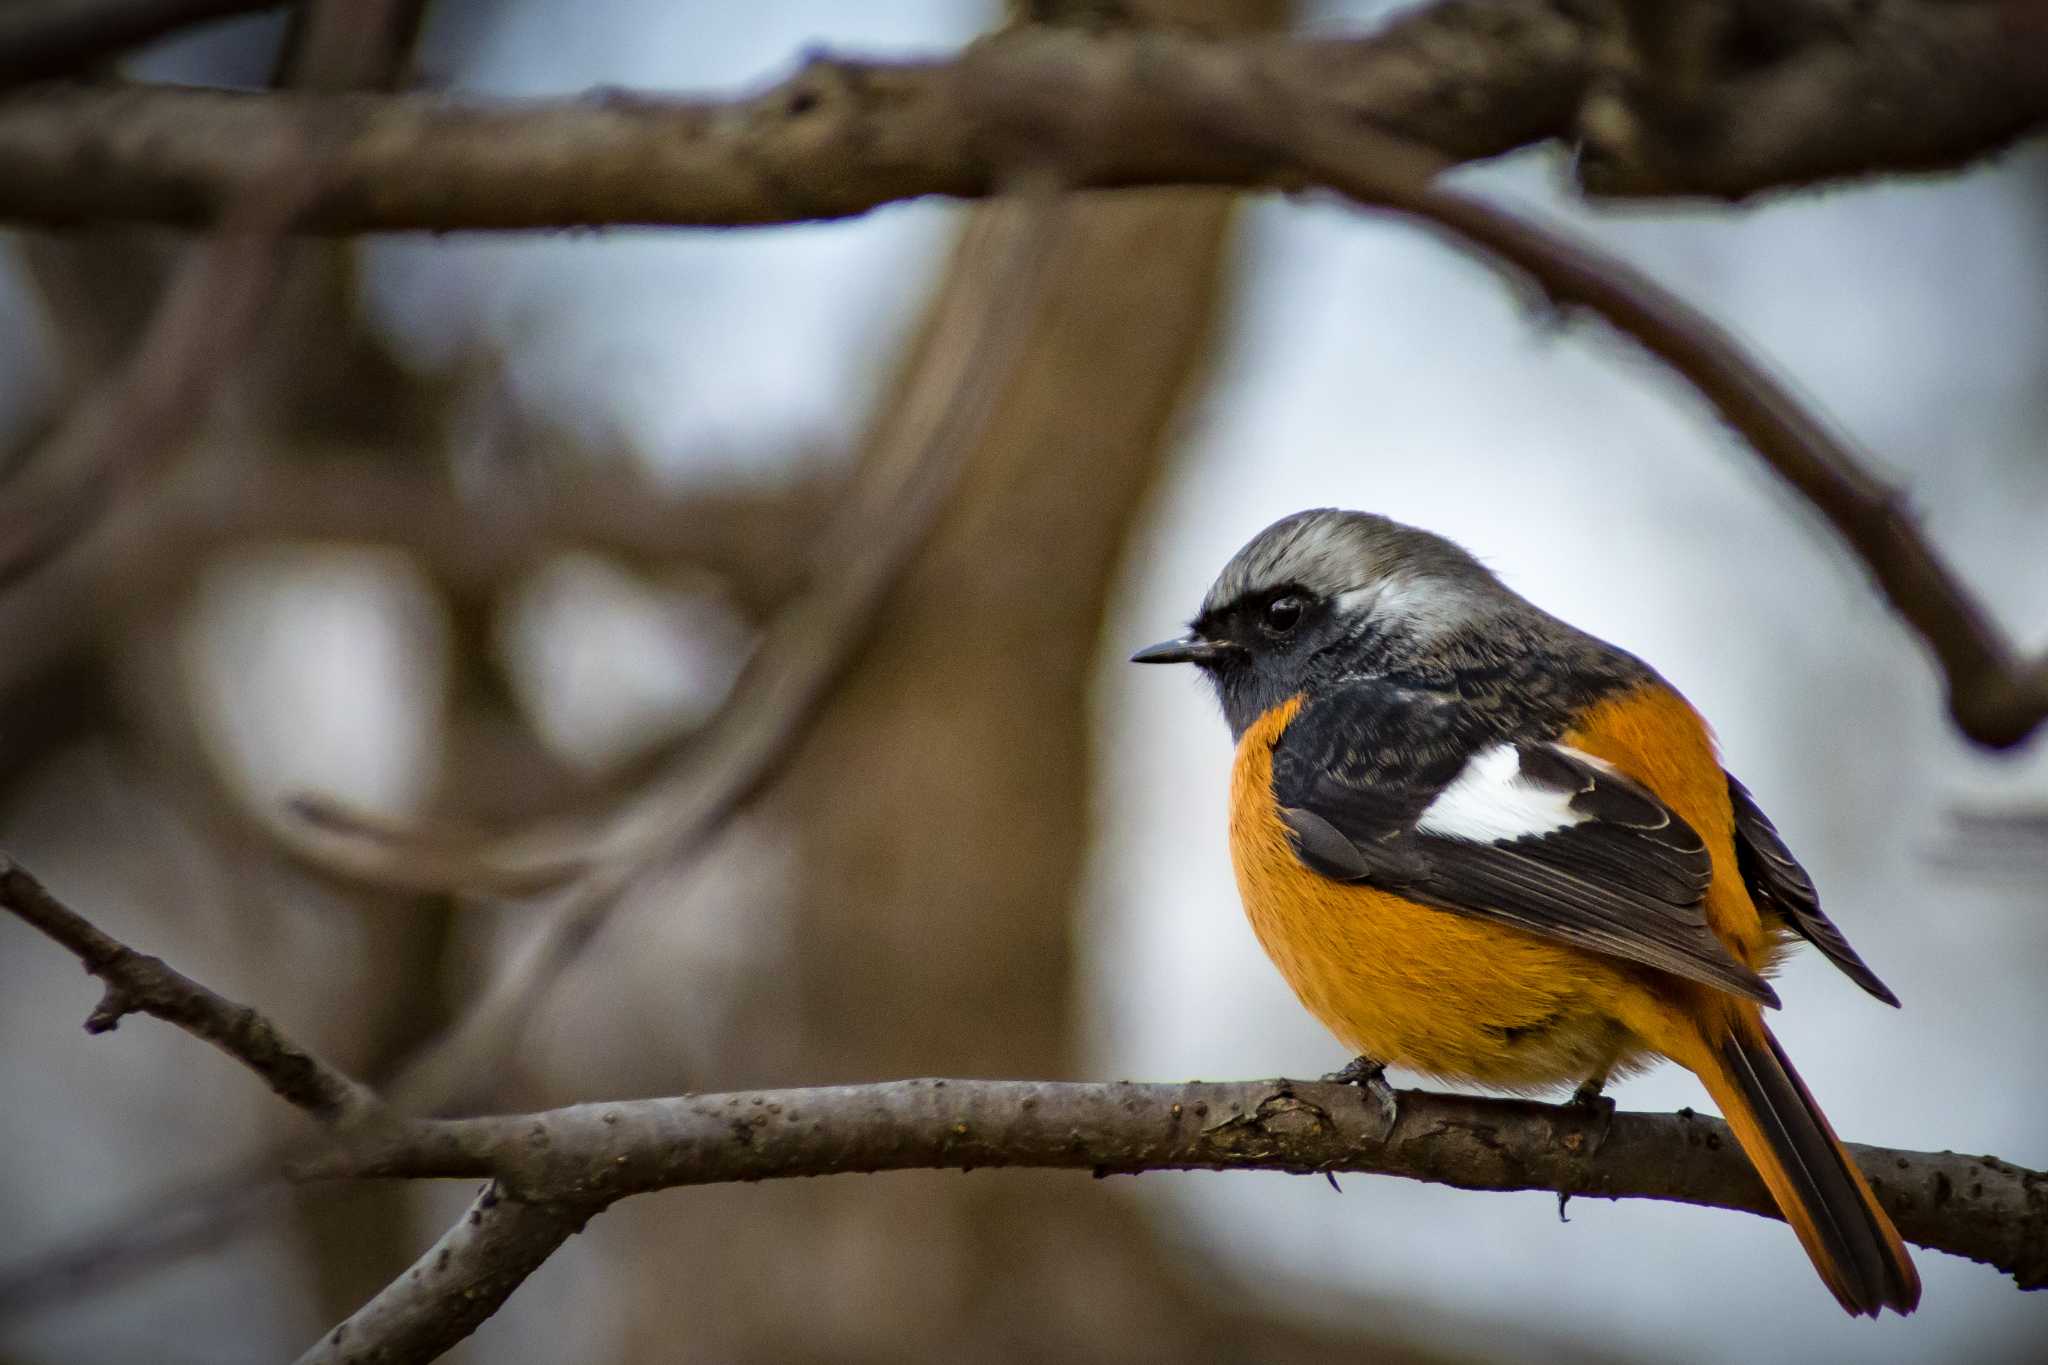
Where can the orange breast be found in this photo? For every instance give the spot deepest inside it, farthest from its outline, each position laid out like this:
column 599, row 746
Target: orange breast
column 1464, row 998
column 1408, row 984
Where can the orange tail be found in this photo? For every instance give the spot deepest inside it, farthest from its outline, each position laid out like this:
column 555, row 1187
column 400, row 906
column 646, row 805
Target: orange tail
column 1818, row 1188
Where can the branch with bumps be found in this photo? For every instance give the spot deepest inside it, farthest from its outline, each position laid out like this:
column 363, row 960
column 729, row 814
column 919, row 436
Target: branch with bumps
column 547, row 1174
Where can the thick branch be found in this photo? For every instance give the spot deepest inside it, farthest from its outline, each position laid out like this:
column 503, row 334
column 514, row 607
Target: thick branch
column 1796, row 92
column 838, row 138
column 139, row 984
column 592, row 1154
column 1898, row 85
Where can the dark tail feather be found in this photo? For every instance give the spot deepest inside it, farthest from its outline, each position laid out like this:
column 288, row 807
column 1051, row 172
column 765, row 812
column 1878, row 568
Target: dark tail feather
column 1850, row 1240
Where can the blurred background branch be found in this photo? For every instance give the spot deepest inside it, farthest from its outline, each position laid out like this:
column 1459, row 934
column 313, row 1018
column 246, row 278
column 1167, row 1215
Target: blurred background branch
column 1155, row 108
column 115, row 438
column 898, row 494
column 1818, row 92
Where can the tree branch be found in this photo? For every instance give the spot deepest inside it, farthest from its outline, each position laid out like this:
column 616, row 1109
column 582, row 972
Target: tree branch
column 1996, row 695
column 839, row 138
column 1451, row 82
column 1901, row 86
column 915, row 460
column 139, row 984
column 551, row 1171
column 562, row 1166
column 1801, row 91
column 457, row 1285
column 142, row 415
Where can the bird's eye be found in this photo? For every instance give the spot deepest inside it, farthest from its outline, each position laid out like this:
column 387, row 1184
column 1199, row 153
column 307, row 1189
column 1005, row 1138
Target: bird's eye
column 1283, row 614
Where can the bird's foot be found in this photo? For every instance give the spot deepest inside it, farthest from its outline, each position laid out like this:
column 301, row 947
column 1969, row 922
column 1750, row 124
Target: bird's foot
column 1371, row 1077
column 1589, row 1100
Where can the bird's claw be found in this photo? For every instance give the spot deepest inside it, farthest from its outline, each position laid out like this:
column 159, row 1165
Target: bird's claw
column 1588, row 1100
column 1371, row 1077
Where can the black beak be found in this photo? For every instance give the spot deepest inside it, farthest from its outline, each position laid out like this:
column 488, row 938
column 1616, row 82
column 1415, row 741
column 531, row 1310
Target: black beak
column 1188, row 649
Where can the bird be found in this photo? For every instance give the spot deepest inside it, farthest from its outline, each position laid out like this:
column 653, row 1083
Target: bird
column 1483, row 845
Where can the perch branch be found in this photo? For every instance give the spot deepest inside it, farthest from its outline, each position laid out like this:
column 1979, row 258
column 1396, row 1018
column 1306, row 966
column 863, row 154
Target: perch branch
column 1978, row 1207
column 558, row 1168
column 550, row 1172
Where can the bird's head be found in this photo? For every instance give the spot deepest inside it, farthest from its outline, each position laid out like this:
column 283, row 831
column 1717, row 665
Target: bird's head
column 1326, row 595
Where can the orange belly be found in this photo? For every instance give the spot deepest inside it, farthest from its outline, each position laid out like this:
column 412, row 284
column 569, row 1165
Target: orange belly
column 1431, row 990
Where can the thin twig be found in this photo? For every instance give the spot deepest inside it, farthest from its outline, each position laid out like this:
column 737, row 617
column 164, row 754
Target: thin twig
column 139, row 984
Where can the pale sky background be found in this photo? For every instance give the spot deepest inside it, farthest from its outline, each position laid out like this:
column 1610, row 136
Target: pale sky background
column 1371, row 367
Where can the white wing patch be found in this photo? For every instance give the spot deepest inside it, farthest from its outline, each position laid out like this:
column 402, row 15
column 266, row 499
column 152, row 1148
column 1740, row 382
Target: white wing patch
column 1491, row 802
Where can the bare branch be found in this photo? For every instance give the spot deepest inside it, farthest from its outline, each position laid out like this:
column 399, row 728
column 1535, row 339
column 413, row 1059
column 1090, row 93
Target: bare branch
column 563, row 1165
column 460, row 1281
column 552, row 1171
column 1802, row 91
column 53, row 37
column 838, row 138
column 140, row 984
column 1996, row 696
column 1899, row 85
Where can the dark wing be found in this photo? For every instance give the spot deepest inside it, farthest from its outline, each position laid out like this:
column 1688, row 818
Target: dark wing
column 1408, row 793
column 1780, row 887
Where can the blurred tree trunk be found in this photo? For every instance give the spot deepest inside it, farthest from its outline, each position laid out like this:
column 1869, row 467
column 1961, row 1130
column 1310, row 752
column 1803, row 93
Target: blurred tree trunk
column 940, row 815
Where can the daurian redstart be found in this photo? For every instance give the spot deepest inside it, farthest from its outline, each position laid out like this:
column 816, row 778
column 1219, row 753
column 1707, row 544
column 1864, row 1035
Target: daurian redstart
column 1486, row 846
